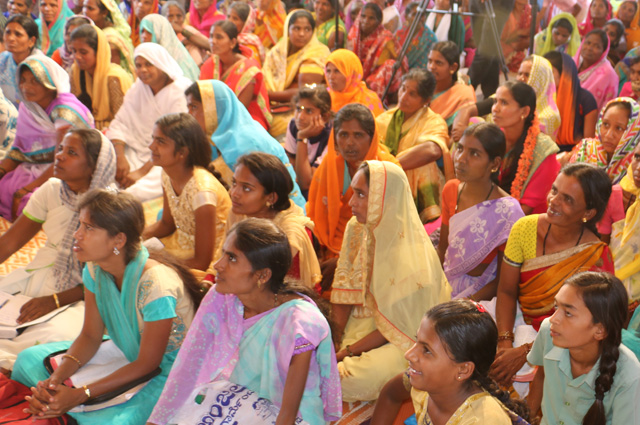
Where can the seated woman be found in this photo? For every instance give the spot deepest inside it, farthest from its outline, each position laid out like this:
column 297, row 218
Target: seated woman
column 261, row 187
column 270, row 22
column 462, row 337
column 594, row 70
column 63, row 56
column 155, row 28
column 355, row 138
column 176, row 15
column 626, row 11
column 97, row 82
column 47, row 111
column 543, row 250
column 297, row 59
column 515, row 34
column 418, row 137
column 617, row 44
column 343, row 73
column 387, row 273
column 145, row 304
column 421, row 43
column 451, row 94
column 307, row 139
column 84, row 161
column 374, row 45
column 600, row 11
column 53, row 15
column 631, row 88
column 623, row 68
column 326, row 24
column 471, row 263
column 106, row 15
column 231, row 131
column 195, row 203
column 447, row 27
column 243, row 15
column 561, row 36
column 586, row 338
column 272, row 340
column 157, row 91
column 577, row 106
column 616, row 138
column 20, row 40
column 242, row 74
column 203, row 14
column 140, row 9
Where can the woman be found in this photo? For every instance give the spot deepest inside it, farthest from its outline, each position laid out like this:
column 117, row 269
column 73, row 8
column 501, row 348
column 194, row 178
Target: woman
column 469, row 203
column 97, row 82
column 537, row 72
column 355, row 138
column 422, row 41
column 270, row 22
column 270, row 338
column 326, row 24
column 297, row 59
column 53, row 15
column 515, row 34
column 157, row 91
column 617, row 137
column 447, row 27
column 232, row 132
column 8, row 121
column 260, row 188
column 343, row 73
column 577, row 106
column 242, row 74
column 617, row 44
column 146, row 306
column 155, row 28
column 195, row 203
column 599, row 13
column 632, row 33
column 419, row 138
column 176, row 15
column 545, row 249
column 451, row 94
column 63, row 56
column 20, row 40
column 107, row 16
column 140, row 9
column 84, row 161
column 561, row 35
column 47, row 111
column 387, row 273
column 594, row 70
column 375, row 47
column 626, row 11
column 203, row 14
column 243, row 16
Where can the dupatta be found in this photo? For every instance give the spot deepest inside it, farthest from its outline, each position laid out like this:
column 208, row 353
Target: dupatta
column 600, row 78
column 632, row 34
column 369, row 48
column 248, row 38
column 544, row 42
column 567, row 98
column 134, row 22
column 447, row 103
column 119, row 36
column 270, row 23
column 204, row 23
column 586, row 27
column 420, row 46
column 541, row 80
column 389, row 264
column 591, row 150
column 52, row 34
column 622, row 67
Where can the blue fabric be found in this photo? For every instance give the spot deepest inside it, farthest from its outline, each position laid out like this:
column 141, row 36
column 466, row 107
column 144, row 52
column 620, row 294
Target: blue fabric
column 160, row 309
column 631, row 335
column 411, row 420
column 8, row 80
column 237, row 133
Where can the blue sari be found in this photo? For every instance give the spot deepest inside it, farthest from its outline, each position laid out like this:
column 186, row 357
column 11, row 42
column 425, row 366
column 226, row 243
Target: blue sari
column 52, row 36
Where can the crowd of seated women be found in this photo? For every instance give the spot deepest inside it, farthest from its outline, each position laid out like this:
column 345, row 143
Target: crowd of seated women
column 266, row 213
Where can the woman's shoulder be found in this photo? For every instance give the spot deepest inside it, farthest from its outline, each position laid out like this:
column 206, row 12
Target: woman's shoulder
column 526, row 223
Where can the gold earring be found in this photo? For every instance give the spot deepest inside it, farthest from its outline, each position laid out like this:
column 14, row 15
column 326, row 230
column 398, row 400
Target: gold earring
column 584, row 219
column 522, row 117
column 495, row 170
column 268, row 204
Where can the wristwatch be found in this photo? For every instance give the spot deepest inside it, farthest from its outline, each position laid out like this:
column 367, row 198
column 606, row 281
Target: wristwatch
column 305, row 141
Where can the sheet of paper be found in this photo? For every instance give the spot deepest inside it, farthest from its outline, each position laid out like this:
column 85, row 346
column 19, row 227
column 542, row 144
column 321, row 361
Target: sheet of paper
column 10, row 308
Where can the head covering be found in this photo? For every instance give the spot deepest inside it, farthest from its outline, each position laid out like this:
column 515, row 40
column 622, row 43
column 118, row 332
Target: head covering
column 52, row 34
column 247, row 36
column 355, row 91
column 134, row 22
column 389, row 264
column 632, row 34
column 547, row 45
column 632, row 220
column 204, row 23
column 67, row 269
column 541, row 80
column 65, row 55
column 99, row 88
column 587, row 26
column 270, row 23
column 163, row 34
column 600, row 78
column 160, row 58
column 568, row 104
column 622, row 67
column 119, row 36
column 591, row 150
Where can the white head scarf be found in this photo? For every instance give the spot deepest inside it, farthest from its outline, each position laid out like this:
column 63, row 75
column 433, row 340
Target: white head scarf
column 159, row 57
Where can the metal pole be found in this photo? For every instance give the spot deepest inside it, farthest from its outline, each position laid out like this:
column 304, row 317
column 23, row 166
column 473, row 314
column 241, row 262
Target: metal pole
column 534, row 21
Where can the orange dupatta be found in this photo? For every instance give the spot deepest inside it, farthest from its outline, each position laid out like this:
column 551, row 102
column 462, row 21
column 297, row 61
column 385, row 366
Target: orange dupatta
column 270, row 23
column 134, row 22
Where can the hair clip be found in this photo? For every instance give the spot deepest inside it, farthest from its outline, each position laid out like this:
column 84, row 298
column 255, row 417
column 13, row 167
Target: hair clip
column 479, row 306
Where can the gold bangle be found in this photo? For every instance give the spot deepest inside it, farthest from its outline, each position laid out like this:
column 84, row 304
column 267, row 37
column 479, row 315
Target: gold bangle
column 506, row 336
column 55, row 298
column 349, row 352
column 87, row 392
column 74, row 358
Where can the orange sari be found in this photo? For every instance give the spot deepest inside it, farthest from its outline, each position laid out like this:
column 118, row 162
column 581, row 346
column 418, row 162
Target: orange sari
column 270, row 23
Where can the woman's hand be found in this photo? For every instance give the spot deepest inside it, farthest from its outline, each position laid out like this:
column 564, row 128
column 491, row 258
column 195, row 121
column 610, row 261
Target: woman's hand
column 313, row 129
column 507, row 363
column 340, row 355
column 50, row 399
column 122, row 168
column 36, row 307
column 177, row 26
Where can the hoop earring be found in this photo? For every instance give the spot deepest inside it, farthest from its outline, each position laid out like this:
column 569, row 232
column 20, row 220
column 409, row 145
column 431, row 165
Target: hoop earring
column 116, row 251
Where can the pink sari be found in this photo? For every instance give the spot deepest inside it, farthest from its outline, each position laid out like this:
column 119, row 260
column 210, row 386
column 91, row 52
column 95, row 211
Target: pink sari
column 204, row 24
column 600, row 78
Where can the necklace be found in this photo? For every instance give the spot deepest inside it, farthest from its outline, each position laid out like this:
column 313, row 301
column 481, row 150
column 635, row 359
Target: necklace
column 275, row 301
column 460, row 193
column 544, row 242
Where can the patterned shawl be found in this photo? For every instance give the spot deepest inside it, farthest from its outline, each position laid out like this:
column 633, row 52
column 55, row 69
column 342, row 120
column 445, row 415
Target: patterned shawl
column 541, row 80
column 248, row 38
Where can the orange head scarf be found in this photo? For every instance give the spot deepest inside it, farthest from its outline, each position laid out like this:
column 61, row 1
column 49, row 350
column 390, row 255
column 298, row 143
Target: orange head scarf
column 134, row 22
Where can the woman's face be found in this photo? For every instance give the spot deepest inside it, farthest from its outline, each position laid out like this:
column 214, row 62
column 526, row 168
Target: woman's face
column 614, row 123
column 67, row 36
column 359, row 201
column 324, row 10
column 145, row 36
column 71, row 163
column 33, row 90
column 352, row 142
column 355, row 11
column 49, row 10
column 84, row 55
column 560, row 36
column 248, row 195
column 612, row 33
column 305, row 113
column 163, row 150
column 506, row 112
column 634, row 72
column 202, row 5
column 626, row 12
column 572, row 323
column 592, row 49
column 143, row 8
column 237, row 21
column 300, row 32
column 220, row 42
column 524, row 72
column 471, row 160
column 335, row 79
column 409, row 100
column 175, row 15
column 598, row 9
column 440, row 67
column 567, row 205
column 16, row 39
column 235, row 275
column 149, row 74
column 635, row 165
column 91, row 10
column 368, row 21
column 93, row 243
column 196, row 110
column 18, row 7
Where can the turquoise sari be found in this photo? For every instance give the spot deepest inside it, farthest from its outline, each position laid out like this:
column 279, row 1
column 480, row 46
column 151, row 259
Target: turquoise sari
column 52, row 36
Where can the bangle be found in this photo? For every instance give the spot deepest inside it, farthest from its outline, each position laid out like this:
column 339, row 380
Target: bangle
column 349, row 352
column 55, row 298
column 506, row 336
column 527, row 347
column 87, row 392
column 118, row 142
column 186, row 33
column 21, row 193
column 74, row 358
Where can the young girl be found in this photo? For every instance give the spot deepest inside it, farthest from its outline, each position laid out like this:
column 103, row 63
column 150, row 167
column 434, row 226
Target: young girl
column 588, row 376
column 196, row 204
column 561, row 35
column 447, row 377
column 631, row 88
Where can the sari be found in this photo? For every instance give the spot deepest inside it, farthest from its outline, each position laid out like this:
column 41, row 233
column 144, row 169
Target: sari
column 600, row 78
column 270, row 23
column 514, row 57
column 541, row 81
column 119, row 36
column 234, row 133
column 155, row 294
column 474, row 234
column 36, row 130
column 256, row 353
column 587, row 26
column 163, row 34
column 389, row 271
column 106, row 88
column 447, row 103
column 52, row 34
column 248, row 39
column 543, row 42
column 325, row 30
column 567, row 97
column 329, row 193
column 426, row 182
column 591, row 150
column 205, row 22
column 420, row 46
column 355, row 90
column 451, row 28
column 238, row 77
column 134, row 22
column 622, row 67
column 632, row 34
